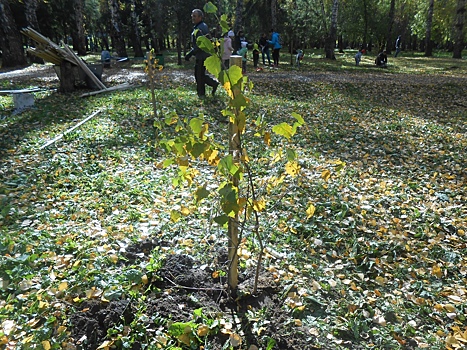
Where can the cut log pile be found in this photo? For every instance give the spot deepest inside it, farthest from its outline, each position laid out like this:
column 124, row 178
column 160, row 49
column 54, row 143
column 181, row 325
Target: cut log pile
column 63, row 56
column 51, row 52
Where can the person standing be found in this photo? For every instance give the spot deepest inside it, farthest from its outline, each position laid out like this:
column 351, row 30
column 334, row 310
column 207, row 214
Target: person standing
column 228, row 49
column 276, row 46
column 398, row 45
column 255, row 55
column 202, row 79
column 264, row 46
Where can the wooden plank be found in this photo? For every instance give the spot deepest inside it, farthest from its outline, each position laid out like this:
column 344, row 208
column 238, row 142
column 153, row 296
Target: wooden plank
column 85, row 68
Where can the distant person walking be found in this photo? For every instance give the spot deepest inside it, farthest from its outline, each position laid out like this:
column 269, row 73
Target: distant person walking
column 228, row 48
column 276, row 47
column 398, row 46
column 202, row 79
column 264, row 46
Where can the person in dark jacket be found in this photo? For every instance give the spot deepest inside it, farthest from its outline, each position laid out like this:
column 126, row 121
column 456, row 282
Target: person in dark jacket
column 398, row 45
column 264, row 46
column 382, row 60
column 202, row 79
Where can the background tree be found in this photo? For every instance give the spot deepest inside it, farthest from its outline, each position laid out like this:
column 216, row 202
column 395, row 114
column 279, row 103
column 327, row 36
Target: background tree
column 10, row 38
column 116, row 29
column 429, row 25
column 30, row 8
column 77, row 27
column 238, row 16
column 134, row 30
column 459, row 29
column 330, row 43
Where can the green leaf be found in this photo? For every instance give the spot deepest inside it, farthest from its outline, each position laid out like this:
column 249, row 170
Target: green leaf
column 198, row 312
column 221, row 220
column 271, row 344
column 213, row 65
column 201, row 193
column 291, row 155
column 299, row 118
column 226, row 166
column 234, row 74
column 283, row 129
column 205, row 44
column 224, row 24
column 196, row 125
column 198, row 149
column 134, row 275
column 210, row 8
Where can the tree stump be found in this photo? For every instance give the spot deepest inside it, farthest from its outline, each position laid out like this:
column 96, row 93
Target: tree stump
column 67, row 77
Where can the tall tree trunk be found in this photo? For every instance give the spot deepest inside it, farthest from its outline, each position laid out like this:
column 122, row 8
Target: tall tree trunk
column 30, row 7
column 330, row 43
column 429, row 25
column 366, row 25
column 238, row 16
column 389, row 41
column 77, row 29
column 274, row 14
column 135, row 34
column 458, row 29
column 10, row 38
column 118, row 40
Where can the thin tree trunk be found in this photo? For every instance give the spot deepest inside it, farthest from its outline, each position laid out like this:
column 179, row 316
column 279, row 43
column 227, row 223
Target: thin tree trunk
column 118, row 41
column 366, row 25
column 389, row 41
column 458, row 29
column 274, row 14
column 332, row 36
column 238, row 16
column 429, row 25
column 10, row 38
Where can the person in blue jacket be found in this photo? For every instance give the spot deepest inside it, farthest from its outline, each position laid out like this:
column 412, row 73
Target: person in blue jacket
column 276, row 46
column 202, row 79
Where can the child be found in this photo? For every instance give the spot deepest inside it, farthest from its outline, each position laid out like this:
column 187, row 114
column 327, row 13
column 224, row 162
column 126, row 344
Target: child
column 358, row 57
column 298, row 57
column 242, row 52
column 255, row 55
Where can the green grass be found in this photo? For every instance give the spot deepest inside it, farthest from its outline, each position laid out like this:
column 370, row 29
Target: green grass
column 381, row 264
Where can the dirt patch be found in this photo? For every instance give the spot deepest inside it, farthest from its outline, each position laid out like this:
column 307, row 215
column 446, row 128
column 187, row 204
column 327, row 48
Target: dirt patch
column 181, row 287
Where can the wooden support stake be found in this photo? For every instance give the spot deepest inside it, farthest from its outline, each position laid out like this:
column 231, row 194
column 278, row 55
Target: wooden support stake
column 70, row 130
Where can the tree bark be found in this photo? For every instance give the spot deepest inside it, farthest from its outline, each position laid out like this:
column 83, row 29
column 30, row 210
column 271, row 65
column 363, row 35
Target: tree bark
column 30, row 7
column 135, row 34
column 77, row 32
column 10, row 38
column 458, row 29
column 116, row 31
column 332, row 36
column 429, row 25
column 238, row 16
column 389, row 40
column 274, row 14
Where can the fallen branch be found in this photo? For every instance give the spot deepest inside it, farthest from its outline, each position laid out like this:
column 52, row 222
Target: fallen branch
column 123, row 86
column 70, row 130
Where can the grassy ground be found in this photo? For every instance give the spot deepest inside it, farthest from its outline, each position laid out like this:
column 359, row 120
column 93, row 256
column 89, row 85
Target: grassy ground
column 381, row 263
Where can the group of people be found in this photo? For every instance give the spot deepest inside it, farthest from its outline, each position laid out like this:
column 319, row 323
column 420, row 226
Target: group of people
column 382, row 58
column 233, row 44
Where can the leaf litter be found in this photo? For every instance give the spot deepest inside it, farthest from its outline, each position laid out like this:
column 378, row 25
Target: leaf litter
column 366, row 248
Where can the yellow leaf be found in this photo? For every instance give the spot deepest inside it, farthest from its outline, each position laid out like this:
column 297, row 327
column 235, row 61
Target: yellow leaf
column 203, row 330
column 325, row 175
column 436, row 271
column 144, row 279
column 267, row 138
column 292, row 168
column 174, row 216
column 106, row 345
column 62, row 286
column 259, row 205
column 46, row 345
column 185, row 211
column 298, row 322
column 235, row 340
column 113, row 258
column 185, row 338
column 310, row 211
